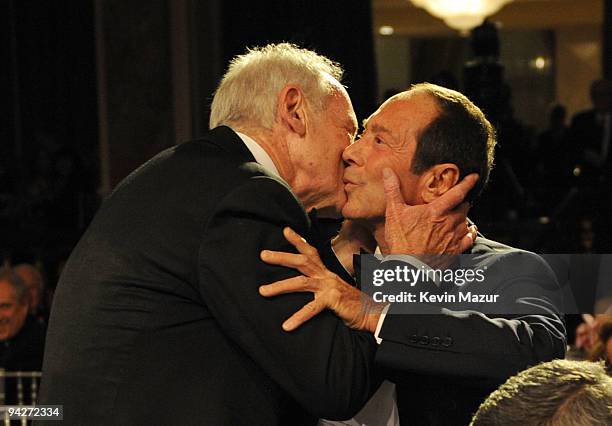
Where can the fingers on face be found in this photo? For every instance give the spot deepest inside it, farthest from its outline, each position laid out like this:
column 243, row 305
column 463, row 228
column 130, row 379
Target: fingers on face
column 466, row 242
column 391, row 185
column 464, row 208
column 449, row 200
column 457, row 193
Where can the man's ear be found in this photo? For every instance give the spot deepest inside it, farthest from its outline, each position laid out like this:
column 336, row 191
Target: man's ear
column 291, row 109
column 437, row 180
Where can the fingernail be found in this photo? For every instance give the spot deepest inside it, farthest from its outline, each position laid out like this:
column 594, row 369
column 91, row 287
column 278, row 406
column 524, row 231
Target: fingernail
column 287, row 325
column 387, row 173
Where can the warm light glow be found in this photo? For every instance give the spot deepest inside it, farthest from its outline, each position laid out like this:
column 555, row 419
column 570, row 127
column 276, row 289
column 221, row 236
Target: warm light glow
column 386, row 30
column 544, row 220
column 462, row 15
column 539, row 63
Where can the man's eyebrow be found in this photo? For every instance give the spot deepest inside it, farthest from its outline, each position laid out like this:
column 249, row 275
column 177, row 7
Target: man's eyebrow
column 381, row 129
column 376, row 127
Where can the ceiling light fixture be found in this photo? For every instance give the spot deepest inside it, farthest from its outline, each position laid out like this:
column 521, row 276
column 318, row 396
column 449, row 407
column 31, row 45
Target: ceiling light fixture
column 462, row 15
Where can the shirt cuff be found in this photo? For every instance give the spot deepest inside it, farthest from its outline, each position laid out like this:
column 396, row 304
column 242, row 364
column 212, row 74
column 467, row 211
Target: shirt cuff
column 381, row 319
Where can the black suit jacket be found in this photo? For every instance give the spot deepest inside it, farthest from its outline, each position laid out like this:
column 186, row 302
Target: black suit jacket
column 157, row 317
column 446, row 364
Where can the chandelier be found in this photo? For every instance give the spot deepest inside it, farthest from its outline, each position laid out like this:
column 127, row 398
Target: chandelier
column 462, row 15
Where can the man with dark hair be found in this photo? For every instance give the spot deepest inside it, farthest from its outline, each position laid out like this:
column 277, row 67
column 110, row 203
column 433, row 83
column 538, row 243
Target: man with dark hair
column 459, row 134
column 556, row 393
column 414, row 149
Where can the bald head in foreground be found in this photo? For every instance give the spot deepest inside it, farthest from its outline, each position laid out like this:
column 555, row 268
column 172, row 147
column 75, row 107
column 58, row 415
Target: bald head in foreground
column 556, row 393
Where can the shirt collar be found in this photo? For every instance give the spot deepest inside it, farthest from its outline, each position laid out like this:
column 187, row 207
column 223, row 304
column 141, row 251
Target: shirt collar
column 261, row 156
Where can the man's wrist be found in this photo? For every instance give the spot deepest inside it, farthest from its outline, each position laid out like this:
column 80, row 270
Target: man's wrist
column 373, row 317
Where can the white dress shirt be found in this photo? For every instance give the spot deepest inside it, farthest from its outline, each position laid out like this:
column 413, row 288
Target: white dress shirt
column 260, row 154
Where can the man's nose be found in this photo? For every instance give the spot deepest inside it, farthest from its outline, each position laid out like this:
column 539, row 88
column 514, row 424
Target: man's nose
column 352, row 154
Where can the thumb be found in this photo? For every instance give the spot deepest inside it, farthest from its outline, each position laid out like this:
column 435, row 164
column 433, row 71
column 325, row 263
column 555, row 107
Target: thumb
column 392, row 189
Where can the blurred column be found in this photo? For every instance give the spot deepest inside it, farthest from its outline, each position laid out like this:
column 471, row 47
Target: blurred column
column 607, row 40
column 180, row 13
column 134, row 69
column 207, row 64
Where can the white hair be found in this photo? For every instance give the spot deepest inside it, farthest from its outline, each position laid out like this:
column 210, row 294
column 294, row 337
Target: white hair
column 249, row 89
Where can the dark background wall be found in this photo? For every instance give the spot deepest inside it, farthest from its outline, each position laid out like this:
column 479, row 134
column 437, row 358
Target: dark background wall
column 137, row 82
column 340, row 29
column 48, row 145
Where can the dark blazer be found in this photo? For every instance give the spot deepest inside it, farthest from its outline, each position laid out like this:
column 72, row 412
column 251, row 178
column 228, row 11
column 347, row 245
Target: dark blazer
column 446, row 364
column 157, row 317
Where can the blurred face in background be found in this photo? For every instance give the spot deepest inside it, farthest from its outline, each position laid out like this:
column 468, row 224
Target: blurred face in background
column 33, row 280
column 583, row 336
column 12, row 311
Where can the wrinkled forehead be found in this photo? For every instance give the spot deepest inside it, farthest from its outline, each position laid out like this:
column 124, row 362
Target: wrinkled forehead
column 7, row 292
column 405, row 114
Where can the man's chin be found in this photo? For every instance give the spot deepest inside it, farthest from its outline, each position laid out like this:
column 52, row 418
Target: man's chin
column 347, row 213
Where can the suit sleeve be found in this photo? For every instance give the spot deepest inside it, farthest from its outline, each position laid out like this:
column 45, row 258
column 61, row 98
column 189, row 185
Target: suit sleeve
column 474, row 346
column 324, row 366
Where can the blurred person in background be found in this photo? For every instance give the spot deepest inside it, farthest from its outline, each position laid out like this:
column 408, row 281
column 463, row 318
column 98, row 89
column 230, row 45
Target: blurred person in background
column 591, row 132
column 601, row 349
column 33, row 280
column 22, row 338
column 590, row 140
column 553, row 171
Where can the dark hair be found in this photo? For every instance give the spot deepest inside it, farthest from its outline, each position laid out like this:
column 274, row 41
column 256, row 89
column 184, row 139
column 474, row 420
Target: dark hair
column 559, row 393
column 459, row 134
column 21, row 290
